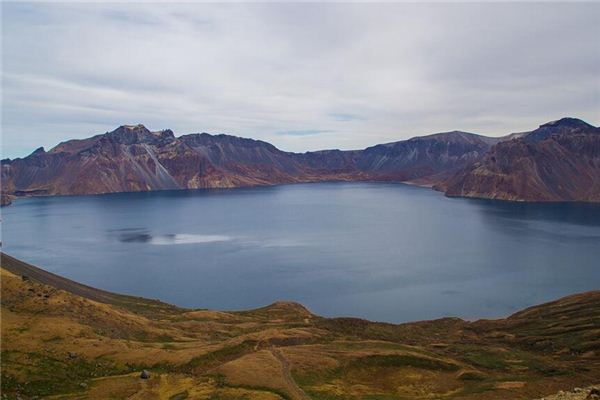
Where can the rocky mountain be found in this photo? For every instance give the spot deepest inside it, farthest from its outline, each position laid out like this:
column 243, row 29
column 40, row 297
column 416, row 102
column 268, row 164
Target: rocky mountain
column 424, row 158
column 559, row 161
column 132, row 158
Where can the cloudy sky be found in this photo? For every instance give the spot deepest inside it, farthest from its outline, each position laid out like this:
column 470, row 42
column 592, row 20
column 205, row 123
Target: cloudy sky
column 301, row 76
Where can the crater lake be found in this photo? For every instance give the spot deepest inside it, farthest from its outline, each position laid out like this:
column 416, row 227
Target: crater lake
column 381, row 251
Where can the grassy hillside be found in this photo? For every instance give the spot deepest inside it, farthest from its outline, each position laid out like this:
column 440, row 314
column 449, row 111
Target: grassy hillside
column 63, row 340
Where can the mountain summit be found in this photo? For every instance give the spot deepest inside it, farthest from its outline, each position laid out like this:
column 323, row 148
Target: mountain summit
column 561, row 126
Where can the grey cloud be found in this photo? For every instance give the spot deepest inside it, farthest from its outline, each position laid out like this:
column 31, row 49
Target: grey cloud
column 303, row 132
column 362, row 73
column 345, row 117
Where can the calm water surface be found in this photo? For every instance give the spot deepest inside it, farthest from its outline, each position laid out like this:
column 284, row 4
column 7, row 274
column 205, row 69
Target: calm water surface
column 387, row 252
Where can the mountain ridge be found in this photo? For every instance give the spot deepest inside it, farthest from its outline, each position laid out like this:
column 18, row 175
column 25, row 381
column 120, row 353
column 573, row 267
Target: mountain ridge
column 133, row 158
column 559, row 161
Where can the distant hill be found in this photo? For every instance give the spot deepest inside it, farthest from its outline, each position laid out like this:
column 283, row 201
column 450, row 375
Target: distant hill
column 558, row 162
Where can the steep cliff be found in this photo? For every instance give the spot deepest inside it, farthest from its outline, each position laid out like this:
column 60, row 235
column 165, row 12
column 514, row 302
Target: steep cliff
column 559, row 161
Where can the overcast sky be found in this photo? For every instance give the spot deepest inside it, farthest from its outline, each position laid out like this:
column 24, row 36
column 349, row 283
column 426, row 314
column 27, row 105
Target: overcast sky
column 303, row 77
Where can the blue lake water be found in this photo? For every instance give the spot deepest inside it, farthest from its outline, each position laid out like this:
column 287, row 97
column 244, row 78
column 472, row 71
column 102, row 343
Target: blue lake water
column 388, row 252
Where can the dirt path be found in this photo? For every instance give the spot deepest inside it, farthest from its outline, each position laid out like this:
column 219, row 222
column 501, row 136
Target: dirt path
column 293, row 388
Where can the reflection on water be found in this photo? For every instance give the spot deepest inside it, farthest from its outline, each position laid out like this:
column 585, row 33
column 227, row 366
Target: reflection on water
column 132, row 235
column 182, row 238
column 587, row 214
column 137, row 235
column 381, row 251
column 577, row 221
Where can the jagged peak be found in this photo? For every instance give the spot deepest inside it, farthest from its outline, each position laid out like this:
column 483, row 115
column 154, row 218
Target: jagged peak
column 568, row 122
column 129, row 134
column 133, row 127
column 39, row 150
column 125, row 129
column 560, row 126
column 164, row 134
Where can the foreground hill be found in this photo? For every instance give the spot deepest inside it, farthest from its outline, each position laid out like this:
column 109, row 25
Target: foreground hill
column 559, row 161
column 132, row 158
column 63, row 340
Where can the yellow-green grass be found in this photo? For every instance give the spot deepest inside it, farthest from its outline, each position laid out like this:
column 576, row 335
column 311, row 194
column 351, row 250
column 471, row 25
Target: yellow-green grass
column 65, row 340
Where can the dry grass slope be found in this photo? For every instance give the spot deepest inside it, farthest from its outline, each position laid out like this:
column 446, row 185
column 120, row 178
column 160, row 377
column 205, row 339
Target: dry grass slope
column 64, row 340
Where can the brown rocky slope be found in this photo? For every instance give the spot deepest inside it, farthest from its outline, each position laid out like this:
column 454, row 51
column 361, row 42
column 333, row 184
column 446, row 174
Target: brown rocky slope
column 559, row 161
column 132, row 158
